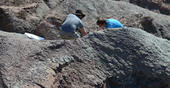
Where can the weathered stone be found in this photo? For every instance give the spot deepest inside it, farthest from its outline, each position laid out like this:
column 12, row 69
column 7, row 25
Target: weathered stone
column 28, row 17
column 127, row 57
column 160, row 6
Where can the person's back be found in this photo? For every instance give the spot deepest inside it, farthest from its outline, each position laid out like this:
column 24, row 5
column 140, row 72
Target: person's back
column 71, row 23
column 108, row 23
column 112, row 23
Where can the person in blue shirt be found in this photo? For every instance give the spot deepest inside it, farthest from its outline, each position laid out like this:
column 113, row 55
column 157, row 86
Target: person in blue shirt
column 108, row 23
column 72, row 25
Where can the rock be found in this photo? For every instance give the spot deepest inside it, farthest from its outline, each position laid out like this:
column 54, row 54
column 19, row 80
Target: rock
column 21, row 18
column 47, row 30
column 50, row 27
column 15, row 19
column 129, row 57
column 156, row 27
column 160, row 6
column 27, row 18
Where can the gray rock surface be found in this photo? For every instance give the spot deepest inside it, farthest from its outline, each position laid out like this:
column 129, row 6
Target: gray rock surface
column 159, row 6
column 28, row 15
column 129, row 57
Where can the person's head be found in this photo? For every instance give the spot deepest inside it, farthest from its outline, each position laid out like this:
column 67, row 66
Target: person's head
column 101, row 22
column 79, row 14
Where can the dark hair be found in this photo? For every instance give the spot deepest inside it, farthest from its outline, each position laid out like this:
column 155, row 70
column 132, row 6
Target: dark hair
column 80, row 14
column 101, row 21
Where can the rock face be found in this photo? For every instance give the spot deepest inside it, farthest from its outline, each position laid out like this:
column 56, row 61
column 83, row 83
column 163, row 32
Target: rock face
column 113, row 58
column 44, row 17
column 160, row 6
column 127, row 58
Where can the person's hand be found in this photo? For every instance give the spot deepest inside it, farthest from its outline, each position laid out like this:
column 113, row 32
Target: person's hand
column 83, row 32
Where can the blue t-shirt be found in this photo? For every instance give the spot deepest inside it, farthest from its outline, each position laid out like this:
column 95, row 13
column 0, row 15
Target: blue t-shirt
column 71, row 23
column 112, row 23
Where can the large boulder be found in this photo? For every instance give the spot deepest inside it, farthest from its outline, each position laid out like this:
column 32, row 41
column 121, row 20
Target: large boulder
column 158, row 27
column 17, row 19
column 22, row 18
column 159, row 6
column 114, row 58
column 51, row 13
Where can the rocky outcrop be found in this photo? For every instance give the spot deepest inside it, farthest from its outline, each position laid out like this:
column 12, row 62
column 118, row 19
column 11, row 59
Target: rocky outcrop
column 156, row 27
column 21, row 18
column 17, row 19
column 160, row 6
column 129, row 57
column 44, row 17
column 125, row 58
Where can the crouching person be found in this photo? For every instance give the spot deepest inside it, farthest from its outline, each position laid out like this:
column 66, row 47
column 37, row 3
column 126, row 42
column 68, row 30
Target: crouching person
column 73, row 26
column 108, row 23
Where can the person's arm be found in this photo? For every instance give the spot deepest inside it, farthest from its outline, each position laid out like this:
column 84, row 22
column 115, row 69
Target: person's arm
column 83, row 32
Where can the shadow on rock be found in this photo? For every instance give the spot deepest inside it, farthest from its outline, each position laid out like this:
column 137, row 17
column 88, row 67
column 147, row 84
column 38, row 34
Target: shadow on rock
column 137, row 80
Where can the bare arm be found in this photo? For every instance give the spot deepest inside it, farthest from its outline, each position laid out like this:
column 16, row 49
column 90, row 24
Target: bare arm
column 83, row 32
